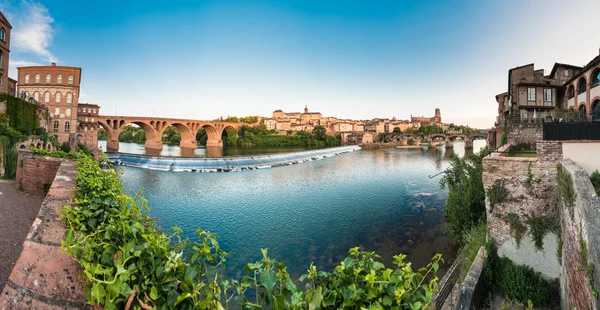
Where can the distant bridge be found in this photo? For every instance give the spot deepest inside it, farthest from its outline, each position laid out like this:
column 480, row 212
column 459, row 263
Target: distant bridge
column 437, row 138
column 155, row 126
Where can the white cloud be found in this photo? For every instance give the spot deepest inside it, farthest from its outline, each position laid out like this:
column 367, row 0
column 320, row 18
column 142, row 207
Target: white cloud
column 32, row 30
column 23, row 63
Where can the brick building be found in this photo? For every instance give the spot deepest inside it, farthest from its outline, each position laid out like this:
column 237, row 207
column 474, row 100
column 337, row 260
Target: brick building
column 435, row 120
column 57, row 87
column 5, row 29
column 87, row 124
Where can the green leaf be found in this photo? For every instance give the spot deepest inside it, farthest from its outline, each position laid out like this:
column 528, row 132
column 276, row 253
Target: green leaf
column 314, row 298
column 267, row 280
column 153, row 293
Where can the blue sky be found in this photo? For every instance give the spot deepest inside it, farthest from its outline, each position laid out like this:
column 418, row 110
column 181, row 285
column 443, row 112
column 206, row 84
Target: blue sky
column 350, row 59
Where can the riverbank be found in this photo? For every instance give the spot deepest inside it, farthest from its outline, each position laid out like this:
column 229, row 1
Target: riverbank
column 225, row 164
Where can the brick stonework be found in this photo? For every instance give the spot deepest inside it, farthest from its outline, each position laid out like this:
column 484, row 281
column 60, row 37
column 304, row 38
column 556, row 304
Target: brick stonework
column 519, row 132
column 526, row 200
column 35, row 173
column 45, row 277
column 576, row 291
column 549, row 151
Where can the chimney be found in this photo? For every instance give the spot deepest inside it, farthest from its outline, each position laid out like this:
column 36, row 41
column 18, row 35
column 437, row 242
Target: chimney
column 53, row 64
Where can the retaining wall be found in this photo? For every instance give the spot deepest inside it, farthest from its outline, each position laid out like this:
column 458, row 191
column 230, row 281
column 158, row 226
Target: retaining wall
column 35, row 174
column 45, row 277
column 580, row 227
column 470, row 289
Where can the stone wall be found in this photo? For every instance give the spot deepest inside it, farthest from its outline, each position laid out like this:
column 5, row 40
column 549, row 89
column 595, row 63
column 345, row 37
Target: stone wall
column 35, row 173
column 45, row 277
column 519, row 132
column 470, row 289
column 530, row 185
column 580, row 226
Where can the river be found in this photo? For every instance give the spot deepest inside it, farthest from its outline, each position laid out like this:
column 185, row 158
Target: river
column 381, row 200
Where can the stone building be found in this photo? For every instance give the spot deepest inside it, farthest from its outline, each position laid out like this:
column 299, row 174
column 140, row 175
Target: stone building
column 435, row 120
column 532, row 95
column 57, row 87
column 5, row 28
column 87, row 124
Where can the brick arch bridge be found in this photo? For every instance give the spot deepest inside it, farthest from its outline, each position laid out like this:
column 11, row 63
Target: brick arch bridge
column 436, row 138
column 154, row 128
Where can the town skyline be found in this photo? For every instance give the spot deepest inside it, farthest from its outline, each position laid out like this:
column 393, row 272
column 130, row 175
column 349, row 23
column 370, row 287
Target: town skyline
column 349, row 61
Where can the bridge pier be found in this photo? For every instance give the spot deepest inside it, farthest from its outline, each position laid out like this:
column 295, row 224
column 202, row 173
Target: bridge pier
column 468, row 144
column 404, row 142
column 431, row 143
column 112, row 145
column 214, row 142
column 153, row 145
column 449, row 144
column 188, row 144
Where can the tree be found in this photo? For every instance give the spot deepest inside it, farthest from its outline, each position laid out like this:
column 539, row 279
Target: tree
column 397, row 130
column 320, row 133
column 102, row 134
column 465, row 205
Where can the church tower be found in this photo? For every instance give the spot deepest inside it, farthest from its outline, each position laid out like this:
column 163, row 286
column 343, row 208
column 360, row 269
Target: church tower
column 305, row 109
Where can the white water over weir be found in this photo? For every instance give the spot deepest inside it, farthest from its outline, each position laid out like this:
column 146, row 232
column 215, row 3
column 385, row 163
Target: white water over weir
column 225, row 164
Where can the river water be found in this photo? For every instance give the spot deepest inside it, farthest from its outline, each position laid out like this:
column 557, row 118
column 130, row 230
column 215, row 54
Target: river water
column 381, row 200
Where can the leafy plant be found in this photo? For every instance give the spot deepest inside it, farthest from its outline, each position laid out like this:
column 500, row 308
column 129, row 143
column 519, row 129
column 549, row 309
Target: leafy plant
column 595, row 178
column 465, row 205
column 540, row 226
column 475, row 238
column 566, row 193
column 497, row 194
column 65, row 147
column 516, row 227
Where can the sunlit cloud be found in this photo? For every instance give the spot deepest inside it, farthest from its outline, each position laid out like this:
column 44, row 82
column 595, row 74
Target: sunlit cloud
column 32, row 30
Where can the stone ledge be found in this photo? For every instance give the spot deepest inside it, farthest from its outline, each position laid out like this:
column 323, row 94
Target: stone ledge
column 45, row 277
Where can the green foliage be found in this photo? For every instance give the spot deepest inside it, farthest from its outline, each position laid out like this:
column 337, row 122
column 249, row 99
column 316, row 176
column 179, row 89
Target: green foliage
column 84, row 149
column 497, row 194
column 235, row 119
column 428, row 129
column 58, row 153
column 464, row 129
column 465, row 205
column 22, row 115
column 516, row 283
column 585, row 264
column 128, row 260
column 261, row 136
column 474, row 240
column 9, row 152
column 566, row 194
column 504, row 138
column 516, row 227
column 523, row 149
column 201, row 137
column 411, row 141
column 231, row 137
column 132, row 134
column 65, row 147
column 595, row 178
column 397, row 130
column 102, row 134
column 540, row 226
column 530, row 177
column 170, row 136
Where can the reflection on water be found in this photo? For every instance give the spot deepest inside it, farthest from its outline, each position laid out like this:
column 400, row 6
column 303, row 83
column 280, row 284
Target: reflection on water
column 213, row 151
column 382, row 200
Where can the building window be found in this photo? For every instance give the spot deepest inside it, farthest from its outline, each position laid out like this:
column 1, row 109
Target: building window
column 68, row 112
column 2, row 34
column 69, row 98
column 566, row 72
column 596, row 78
column 530, row 94
column 55, row 126
column 46, row 97
column 70, row 79
column 36, row 96
column 57, row 97
column 59, row 78
column 94, row 111
column 57, row 111
column 92, row 128
column 581, row 86
column 37, row 78
column 48, row 78
column 1, row 60
column 547, row 95
column 26, row 78
column 67, row 126
column 85, row 128
column 571, row 91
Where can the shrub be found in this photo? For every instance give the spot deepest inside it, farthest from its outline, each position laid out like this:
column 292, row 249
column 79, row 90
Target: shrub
column 516, row 227
column 65, row 147
column 84, row 149
column 595, row 178
column 497, row 194
column 474, row 240
column 540, row 226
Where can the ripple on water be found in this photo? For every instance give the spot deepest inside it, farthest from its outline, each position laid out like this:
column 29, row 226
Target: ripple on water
column 381, row 200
